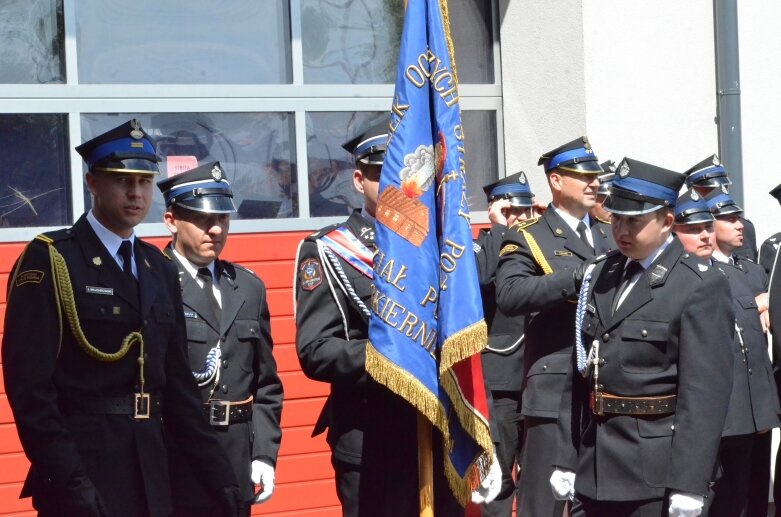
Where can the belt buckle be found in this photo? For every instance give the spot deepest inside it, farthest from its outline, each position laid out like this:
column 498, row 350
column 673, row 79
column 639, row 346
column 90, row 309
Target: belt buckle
column 597, row 403
column 141, row 406
column 214, row 406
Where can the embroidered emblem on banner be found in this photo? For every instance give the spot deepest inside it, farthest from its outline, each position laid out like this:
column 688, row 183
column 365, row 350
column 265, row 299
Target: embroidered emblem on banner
column 311, row 274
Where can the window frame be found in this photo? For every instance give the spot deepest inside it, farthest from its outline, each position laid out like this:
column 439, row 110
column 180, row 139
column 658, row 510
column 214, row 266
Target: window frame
column 74, row 99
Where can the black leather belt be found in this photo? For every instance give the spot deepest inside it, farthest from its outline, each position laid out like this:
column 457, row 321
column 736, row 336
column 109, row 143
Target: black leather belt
column 602, row 403
column 139, row 405
column 225, row 412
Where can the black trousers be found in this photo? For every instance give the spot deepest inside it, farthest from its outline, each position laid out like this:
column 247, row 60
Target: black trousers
column 540, row 443
column 507, row 416
column 729, row 495
column 348, row 482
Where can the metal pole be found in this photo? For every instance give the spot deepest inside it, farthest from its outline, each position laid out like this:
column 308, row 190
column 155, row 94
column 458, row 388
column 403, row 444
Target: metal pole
column 725, row 20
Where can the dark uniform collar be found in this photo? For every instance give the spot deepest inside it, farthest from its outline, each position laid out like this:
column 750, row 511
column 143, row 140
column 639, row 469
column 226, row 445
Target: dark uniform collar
column 361, row 227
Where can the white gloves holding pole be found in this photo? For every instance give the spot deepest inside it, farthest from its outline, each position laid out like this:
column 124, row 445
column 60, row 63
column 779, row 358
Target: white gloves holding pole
column 262, row 474
column 562, row 482
column 685, row 505
column 490, row 486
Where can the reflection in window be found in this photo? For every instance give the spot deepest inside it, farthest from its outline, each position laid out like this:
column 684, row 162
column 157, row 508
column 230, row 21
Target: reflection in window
column 256, row 151
column 331, row 190
column 346, row 41
column 330, row 167
column 183, row 42
column 34, row 170
column 33, row 37
column 482, row 163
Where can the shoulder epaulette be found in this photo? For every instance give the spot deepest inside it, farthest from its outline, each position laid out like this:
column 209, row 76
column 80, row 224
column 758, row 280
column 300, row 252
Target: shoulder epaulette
column 322, row 231
column 154, row 248
column 522, row 225
column 56, row 235
column 243, row 268
column 695, row 263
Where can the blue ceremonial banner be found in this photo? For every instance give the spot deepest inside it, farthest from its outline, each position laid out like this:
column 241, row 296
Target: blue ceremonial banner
column 427, row 328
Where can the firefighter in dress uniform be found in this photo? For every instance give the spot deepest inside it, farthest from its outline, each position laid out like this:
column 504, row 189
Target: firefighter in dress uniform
column 650, row 377
column 509, row 200
column 535, row 279
column 228, row 339
column 94, row 354
column 753, row 411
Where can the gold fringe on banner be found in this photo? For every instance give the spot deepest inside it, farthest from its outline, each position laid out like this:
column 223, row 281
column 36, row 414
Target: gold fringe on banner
column 462, row 344
column 443, row 12
column 405, row 385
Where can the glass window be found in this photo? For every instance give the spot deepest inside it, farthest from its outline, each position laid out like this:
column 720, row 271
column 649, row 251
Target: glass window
column 33, row 39
column 482, row 164
column 34, row 170
column 358, row 42
column 256, row 151
column 331, row 191
column 183, row 42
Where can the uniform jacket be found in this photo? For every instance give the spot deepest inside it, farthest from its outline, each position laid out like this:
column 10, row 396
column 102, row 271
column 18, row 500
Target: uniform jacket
column 45, row 371
column 367, row 424
column 248, row 367
column 331, row 335
column 503, row 357
column 671, row 335
column 548, row 300
column 753, row 404
column 767, row 252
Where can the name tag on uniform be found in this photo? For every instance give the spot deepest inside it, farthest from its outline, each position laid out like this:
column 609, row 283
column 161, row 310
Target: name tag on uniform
column 190, row 314
column 107, row 291
column 560, row 253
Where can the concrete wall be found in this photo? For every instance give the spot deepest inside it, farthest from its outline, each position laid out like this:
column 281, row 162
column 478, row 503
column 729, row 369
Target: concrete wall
column 639, row 79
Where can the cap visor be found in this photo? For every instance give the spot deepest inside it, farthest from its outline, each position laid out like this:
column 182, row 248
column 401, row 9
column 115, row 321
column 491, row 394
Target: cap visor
column 624, row 206
column 128, row 166
column 695, row 218
column 209, row 204
column 581, row 168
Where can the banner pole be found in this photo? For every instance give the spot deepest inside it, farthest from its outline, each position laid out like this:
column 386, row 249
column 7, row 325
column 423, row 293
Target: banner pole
column 425, row 468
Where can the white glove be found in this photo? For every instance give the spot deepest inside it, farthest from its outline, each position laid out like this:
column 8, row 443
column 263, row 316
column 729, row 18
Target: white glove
column 562, row 482
column 262, row 474
column 489, row 487
column 683, row 504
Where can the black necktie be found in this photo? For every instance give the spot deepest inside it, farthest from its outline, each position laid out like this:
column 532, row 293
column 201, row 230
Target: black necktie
column 631, row 270
column 208, row 287
column 583, row 237
column 126, row 252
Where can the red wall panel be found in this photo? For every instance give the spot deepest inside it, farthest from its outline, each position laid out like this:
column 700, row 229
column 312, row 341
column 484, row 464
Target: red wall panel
column 304, row 481
column 304, row 484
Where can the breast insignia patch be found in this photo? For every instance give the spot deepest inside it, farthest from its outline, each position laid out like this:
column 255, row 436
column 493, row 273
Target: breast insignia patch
column 311, row 274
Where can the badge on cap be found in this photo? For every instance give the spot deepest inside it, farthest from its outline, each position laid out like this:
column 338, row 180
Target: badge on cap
column 522, row 178
column 694, row 196
column 724, row 189
column 716, row 160
column 623, row 171
column 136, row 131
column 217, row 173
